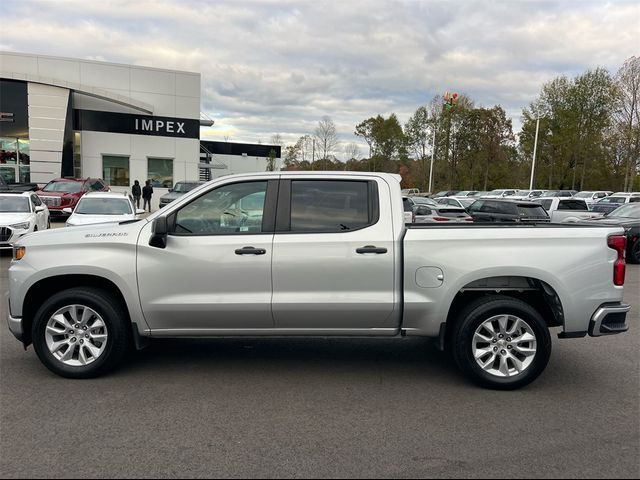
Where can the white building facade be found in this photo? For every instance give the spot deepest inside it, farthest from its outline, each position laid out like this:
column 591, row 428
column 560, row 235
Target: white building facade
column 63, row 117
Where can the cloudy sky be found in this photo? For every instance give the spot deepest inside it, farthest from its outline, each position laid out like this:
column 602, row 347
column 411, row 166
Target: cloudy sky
column 279, row 66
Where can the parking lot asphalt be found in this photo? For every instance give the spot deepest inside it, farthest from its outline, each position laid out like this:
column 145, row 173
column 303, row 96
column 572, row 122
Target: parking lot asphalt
column 322, row 408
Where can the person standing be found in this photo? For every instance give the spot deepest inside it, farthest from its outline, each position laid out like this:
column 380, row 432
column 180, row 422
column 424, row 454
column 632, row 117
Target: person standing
column 147, row 193
column 136, row 191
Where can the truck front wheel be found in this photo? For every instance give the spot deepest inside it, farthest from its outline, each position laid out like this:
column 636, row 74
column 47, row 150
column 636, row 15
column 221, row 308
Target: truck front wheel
column 81, row 333
column 501, row 342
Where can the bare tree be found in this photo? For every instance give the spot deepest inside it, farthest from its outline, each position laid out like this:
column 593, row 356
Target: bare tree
column 628, row 117
column 276, row 139
column 326, row 138
column 352, row 151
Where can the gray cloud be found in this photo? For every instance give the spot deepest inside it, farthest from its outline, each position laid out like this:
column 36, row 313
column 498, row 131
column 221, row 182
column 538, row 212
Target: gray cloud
column 280, row 66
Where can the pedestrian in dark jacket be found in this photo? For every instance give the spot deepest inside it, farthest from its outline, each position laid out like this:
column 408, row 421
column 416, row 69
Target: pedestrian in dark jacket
column 136, row 191
column 147, row 193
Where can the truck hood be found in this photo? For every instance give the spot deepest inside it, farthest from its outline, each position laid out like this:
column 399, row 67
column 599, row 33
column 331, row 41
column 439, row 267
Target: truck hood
column 171, row 196
column 77, row 219
column 12, row 218
column 126, row 233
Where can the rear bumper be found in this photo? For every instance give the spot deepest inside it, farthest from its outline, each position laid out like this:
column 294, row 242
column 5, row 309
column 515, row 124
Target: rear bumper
column 609, row 319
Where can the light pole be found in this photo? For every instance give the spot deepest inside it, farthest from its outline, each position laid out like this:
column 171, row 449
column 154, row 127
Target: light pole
column 433, row 154
column 535, row 149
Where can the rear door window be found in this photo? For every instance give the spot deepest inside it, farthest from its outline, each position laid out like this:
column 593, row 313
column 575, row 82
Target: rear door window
column 572, row 205
column 332, row 206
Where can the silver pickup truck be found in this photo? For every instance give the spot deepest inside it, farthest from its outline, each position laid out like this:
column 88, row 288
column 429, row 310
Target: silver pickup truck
column 314, row 254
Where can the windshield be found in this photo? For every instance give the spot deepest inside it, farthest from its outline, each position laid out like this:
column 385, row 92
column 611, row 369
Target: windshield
column 183, row 187
column 14, row 205
column 626, row 211
column 103, row 206
column 584, row 195
column 66, row 187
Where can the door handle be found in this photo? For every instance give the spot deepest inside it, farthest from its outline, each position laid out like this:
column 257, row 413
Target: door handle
column 371, row 249
column 250, row 251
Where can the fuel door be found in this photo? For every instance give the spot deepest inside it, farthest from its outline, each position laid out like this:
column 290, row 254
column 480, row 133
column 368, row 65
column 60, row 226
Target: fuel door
column 429, row 277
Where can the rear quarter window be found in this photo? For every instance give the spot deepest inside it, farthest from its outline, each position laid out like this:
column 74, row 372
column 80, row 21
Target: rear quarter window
column 532, row 211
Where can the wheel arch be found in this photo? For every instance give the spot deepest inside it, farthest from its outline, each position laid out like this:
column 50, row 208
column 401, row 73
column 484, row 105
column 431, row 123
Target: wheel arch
column 45, row 288
column 533, row 291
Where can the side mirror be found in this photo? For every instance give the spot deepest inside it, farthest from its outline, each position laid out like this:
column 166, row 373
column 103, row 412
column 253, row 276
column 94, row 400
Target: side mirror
column 140, row 211
column 40, row 208
column 159, row 233
column 170, row 190
column 67, row 210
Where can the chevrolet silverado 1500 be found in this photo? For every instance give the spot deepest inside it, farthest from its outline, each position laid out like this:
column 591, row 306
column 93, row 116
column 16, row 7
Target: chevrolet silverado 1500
column 314, row 254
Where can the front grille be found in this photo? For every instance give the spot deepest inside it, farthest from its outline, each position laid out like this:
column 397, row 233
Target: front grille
column 5, row 234
column 51, row 201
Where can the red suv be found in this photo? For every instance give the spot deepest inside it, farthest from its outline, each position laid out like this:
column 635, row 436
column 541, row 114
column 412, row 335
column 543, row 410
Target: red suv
column 65, row 192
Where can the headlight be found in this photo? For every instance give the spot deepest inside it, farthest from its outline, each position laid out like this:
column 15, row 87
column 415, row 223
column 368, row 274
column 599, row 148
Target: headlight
column 21, row 226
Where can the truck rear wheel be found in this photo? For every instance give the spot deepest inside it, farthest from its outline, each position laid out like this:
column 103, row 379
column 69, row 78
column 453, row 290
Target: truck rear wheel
column 501, row 342
column 81, row 333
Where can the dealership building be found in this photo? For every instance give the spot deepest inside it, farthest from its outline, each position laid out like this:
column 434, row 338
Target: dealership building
column 62, row 117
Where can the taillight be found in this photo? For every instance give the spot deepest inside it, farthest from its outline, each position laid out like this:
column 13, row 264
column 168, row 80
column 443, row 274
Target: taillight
column 619, row 244
column 441, row 219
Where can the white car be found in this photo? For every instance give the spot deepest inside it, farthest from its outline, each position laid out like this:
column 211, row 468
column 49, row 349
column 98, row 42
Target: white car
column 591, row 197
column 528, row 194
column 102, row 207
column 20, row 213
column 500, row 194
column 561, row 209
column 460, row 202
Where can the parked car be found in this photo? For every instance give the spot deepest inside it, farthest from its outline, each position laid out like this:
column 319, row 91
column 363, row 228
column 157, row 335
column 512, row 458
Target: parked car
column 527, row 194
column 410, row 202
column 438, row 214
column 609, row 204
column 331, row 257
column 628, row 217
column 177, row 191
column 102, row 207
column 503, row 210
column 20, row 213
column 65, row 192
column 499, row 194
column 591, row 197
column 460, row 202
column 467, row 193
column 17, row 187
column 445, row 193
column 410, row 191
column 560, row 208
column 558, row 193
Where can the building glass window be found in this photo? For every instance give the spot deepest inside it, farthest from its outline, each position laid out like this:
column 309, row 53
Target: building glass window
column 160, row 172
column 115, row 170
column 77, row 151
column 15, row 159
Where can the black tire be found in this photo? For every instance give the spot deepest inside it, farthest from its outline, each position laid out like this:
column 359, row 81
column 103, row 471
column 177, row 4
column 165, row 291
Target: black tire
column 477, row 313
column 113, row 314
column 633, row 255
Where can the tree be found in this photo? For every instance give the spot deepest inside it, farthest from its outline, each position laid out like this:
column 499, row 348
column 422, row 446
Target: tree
column 352, row 151
column 628, row 118
column 271, row 161
column 326, row 138
column 276, row 139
